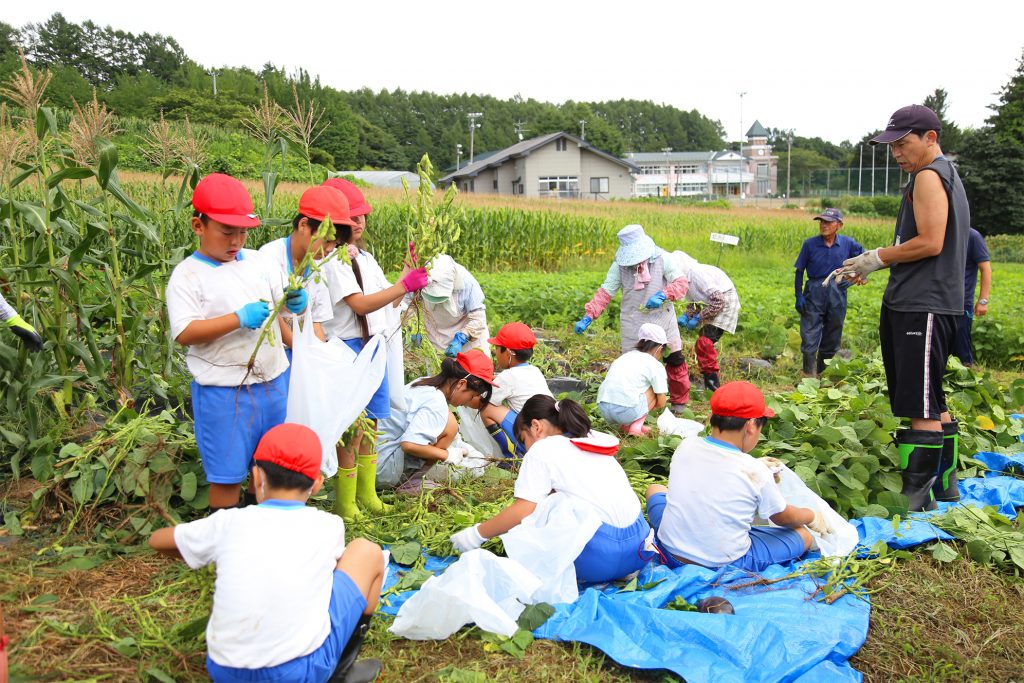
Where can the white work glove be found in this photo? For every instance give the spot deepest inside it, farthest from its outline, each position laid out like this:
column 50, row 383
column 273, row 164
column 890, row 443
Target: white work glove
column 857, row 268
column 775, row 465
column 468, row 539
column 819, row 525
column 456, row 455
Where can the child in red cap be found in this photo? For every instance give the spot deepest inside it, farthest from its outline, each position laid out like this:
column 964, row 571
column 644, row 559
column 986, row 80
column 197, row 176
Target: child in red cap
column 361, row 295
column 565, row 456
column 715, row 489
column 416, row 438
column 518, row 382
column 218, row 301
column 291, row 599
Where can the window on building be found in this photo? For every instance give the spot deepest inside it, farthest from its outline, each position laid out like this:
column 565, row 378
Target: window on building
column 561, row 145
column 520, row 188
column 683, row 169
column 559, row 186
column 495, row 183
column 598, row 185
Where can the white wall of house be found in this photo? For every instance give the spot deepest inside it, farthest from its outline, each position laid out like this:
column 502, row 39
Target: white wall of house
column 619, row 179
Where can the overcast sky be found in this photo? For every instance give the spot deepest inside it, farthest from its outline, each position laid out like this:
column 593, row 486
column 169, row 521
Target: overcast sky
column 826, row 69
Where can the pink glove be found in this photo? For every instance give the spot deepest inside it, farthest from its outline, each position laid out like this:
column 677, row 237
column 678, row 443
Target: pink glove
column 415, row 280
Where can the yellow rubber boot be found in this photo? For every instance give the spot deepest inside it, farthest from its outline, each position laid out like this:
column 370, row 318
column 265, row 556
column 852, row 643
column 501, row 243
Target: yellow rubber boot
column 345, row 494
column 366, row 484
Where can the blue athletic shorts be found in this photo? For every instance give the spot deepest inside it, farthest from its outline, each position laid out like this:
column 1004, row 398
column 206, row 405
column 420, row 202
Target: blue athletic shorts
column 768, row 545
column 614, row 552
column 623, row 415
column 379, row 407
column 230, row 421
column 346, row 606
column 505, row 435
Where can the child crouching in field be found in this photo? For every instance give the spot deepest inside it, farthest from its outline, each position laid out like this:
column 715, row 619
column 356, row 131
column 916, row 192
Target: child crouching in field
column 564, row 455
column 218, row 301
column 290, row 598
column 636, row 383
column 715, row 488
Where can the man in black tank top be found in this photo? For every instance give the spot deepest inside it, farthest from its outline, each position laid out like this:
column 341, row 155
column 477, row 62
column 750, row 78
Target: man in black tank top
column 922, row 302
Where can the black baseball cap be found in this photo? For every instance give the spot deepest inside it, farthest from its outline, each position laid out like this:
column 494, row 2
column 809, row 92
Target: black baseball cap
column 906, row 119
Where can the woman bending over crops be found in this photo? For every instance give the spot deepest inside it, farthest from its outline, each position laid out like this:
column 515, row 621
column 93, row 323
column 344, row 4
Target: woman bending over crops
column 360, row 295
column 414, row 439
column 564, row 456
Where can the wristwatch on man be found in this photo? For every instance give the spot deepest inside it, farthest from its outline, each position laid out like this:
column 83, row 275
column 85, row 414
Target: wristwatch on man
column 983, row 302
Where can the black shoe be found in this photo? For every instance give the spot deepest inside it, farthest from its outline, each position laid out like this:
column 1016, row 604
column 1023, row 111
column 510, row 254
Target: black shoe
column 920, row 453
column 945, row 488
column 711, row 381
column 348, row 669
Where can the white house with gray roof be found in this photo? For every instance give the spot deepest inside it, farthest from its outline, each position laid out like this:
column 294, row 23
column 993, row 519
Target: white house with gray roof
column 557, row 165
column 752, row 172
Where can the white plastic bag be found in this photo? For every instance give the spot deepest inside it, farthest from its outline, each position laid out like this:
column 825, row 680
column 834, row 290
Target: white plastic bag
column 472, row 465
column 548, row 541
column 319, row 371
column 843, row 538
column 670, row 424
column 479, row 587
column 396, row 357
column 473, row 431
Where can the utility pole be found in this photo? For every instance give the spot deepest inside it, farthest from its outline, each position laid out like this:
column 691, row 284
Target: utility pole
column 583, row 130
column 887, row 170
column 873, row 170
column 458, row 155
column 519, row 127
column 741, row 122
column 473, row 125
column 860, row 172
column 214, row 74
column 668, row 170
column 789, row 162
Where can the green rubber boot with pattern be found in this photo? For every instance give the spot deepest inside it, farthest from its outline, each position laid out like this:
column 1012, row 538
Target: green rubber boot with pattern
column 920, row 452
column 945, row 488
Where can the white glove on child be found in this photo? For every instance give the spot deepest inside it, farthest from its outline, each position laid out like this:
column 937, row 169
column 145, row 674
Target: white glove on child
column 468, row 539
column 819, row 524
column 456, row 454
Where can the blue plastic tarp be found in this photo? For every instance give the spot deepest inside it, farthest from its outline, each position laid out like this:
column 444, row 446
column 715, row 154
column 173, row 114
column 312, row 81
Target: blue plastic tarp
column 780, row 632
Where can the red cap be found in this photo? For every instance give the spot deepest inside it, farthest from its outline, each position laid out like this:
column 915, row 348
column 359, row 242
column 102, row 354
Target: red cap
column 514, row 336
column 357, row 204
column 476, row 363
column 294, row 447
column 320, row 201
column 739, row 399
column 225, row 200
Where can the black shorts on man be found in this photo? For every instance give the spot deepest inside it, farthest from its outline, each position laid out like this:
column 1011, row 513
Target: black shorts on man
column 915, row 348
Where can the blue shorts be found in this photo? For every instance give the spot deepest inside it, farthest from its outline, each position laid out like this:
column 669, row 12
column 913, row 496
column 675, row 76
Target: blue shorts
column 623, row 415
column 613, row 552
column 230, row 421
column 346, row 607
column 379, row 407
column 505, row 435
column 768, row 545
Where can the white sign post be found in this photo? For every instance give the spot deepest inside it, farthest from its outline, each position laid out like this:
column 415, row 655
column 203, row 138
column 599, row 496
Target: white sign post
column 723, row 240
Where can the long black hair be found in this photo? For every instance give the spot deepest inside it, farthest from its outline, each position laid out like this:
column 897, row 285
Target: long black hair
column 452, row 372
column 568, row 415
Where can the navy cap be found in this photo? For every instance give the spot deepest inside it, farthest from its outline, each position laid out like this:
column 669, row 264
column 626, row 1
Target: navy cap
column 830, row 216
column 906, row 119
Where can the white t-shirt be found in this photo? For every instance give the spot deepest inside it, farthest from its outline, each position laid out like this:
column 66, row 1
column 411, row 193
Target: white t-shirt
column 425, row 417
column 340, row 281
column 555, row 464
column 517, row 385
column 629, row 377
column 280, row 252
column 200, row 289
column 714, row 491
column 275, row 574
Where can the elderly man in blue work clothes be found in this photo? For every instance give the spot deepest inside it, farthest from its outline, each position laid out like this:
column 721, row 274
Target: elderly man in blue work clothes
column 822, row 309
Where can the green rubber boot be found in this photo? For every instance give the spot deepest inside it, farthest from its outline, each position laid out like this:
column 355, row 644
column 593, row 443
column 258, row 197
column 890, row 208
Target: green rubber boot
column 920, row 452
column 945, row 488
column 345, row 494
column 366, row 484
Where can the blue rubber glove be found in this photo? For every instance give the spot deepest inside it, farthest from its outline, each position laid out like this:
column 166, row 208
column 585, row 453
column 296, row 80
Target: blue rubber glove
column 295, row 300
column 693, row 323
column 801, row 303
column 583, row 324
column 417, row 340
column 456, row 344
column 252, row 316
column 656, row 300
column 684, row 320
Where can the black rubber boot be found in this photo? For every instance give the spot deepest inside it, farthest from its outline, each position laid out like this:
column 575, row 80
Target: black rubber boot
column 920, row 453
column 711, row 381
column 820, row 365
column 810, row 364
column 348, row 669
column 945, row 488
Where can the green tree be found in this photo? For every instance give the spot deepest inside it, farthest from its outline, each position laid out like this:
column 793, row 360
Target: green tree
column 951, row 138
column 992, row 168
column 1007, row 120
